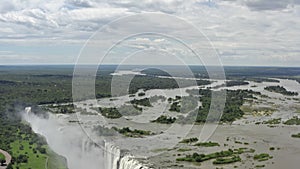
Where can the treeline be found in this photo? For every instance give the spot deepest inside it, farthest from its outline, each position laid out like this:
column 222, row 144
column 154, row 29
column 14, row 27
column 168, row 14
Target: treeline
column 281, row 90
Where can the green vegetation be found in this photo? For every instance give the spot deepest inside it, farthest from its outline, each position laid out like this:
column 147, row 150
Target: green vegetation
column 229, row 160
column 260, row 166
column 189, row 140
column 126, row 131
column 260, row 80
column 30, row 153
column 232, row 83
column 222, row 157
column 183, row 104
column 232, row 111
column 296, row 135
column 124, row 110
column 294, row 121
column 175, row 106
column 111, row 112
column 141, row 94
column 60, row 109
column 273, row 121
column 207, row 144
column 281, row 90
column 184, row 149
column 164, row 120
column 262, row 157
column 236, row 83
column 2, row 159
column 141, row 102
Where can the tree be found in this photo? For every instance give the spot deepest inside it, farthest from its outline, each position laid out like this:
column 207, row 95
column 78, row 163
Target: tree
column 2, row 161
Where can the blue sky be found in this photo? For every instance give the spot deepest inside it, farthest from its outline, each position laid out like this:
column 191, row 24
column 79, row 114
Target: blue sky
column 243, row 32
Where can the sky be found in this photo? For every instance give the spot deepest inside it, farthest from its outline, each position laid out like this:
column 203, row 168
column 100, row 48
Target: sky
column 241, row 32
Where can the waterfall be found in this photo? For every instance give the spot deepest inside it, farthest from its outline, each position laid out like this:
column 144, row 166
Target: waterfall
column 112, row 155
column 69, row 141
column 128, row 162
column 115, row 160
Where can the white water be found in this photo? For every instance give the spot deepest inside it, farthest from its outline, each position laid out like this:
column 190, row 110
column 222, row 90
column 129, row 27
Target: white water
column 72, row 143
column 128, row 162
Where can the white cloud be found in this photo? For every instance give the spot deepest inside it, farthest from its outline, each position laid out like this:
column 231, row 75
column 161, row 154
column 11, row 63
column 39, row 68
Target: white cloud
column 239, row 29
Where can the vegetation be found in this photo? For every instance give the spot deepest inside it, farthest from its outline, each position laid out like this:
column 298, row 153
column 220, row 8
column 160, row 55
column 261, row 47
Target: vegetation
column 281, row 90
column 262, row 157
column 232, row 83
column 2, row 159
column 184, row 149
column 296, row 135
column 294, row 121
column 232, row 110
column 207, row 144
column 141, row 94
column 175, row 106
column 273, row 121
column 60, row 109
column 126, row 131
column 141, row 102
column 189, row 140
column 183, row 104
column 23, row 86
column 219, row 157
column 111, row 112
column 164, row 120
column 236, row 83
column 229, row 160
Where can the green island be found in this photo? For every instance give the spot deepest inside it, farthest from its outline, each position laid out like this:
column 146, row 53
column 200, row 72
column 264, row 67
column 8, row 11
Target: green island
column 232, row 83
column 189, row 140
column 141, row 102
column 207, row 144
column 60, row 109
column 281, row 90
column 164, row 120
column 296, row 135
column 232, row 109
column 175, row 106
column 262, row 157
column 126, row 131
column 273, row 121
column 111, row 112
column 293, row 121
column 222, row 157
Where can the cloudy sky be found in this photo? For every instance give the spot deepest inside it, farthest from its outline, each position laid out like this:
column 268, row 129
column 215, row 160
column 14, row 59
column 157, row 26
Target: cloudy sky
column 242, row 32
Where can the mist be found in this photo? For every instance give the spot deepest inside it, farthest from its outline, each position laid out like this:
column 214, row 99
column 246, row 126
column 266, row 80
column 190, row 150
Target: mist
column 67, row 139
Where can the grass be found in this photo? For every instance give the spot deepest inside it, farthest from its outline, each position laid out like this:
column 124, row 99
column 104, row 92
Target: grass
column 2, row 157
column 56, row 161
column 36, row 160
